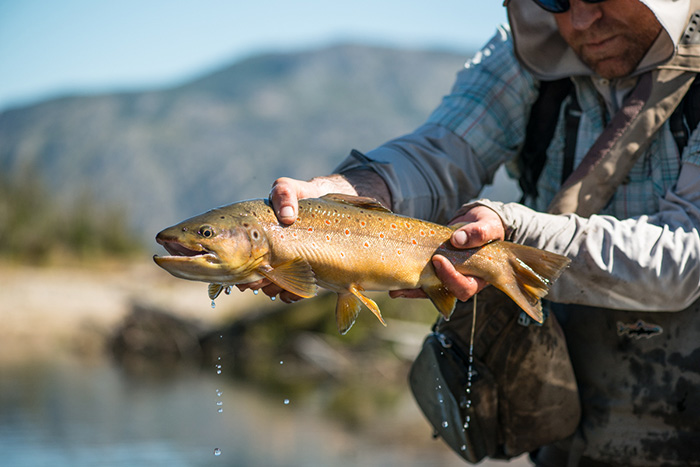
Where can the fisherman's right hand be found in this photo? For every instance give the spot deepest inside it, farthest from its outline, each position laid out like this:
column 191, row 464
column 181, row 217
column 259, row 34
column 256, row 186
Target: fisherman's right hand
column 284, row 196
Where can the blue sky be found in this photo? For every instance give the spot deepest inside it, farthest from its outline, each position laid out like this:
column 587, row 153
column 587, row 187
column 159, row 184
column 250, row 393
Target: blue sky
column 53, row 47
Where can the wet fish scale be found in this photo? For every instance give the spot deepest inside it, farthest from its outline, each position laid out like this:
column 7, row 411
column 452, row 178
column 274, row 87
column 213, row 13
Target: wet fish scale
column 347, row 245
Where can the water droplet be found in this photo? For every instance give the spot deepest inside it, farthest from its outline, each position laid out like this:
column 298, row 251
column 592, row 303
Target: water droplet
column 219, row 403
column 273, row 298
column 445, row 424
column 219, row 393
column 213, row 304
column 464, row 447
column 255, row 292
column 286, row 402
column 217, row 452
column 227, row 290
column 218, row 372
column 221, row 410
column 281, row 362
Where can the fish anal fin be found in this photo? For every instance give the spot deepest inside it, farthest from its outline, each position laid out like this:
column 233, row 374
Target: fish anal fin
column 443, row 300
column 369, row 303
column 214, row 290
column 346, row 311
column 295, row 276
column 357, row 201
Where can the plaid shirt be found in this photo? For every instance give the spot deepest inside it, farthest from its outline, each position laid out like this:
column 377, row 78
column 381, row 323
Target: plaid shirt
column 489, row 105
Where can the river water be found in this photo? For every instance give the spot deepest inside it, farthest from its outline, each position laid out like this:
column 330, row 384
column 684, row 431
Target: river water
column 77, row 413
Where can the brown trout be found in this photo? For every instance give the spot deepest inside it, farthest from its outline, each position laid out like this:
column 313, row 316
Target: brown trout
column 348, row 245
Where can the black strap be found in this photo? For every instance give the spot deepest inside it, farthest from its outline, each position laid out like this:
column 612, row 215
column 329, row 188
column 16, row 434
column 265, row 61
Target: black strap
column 573, row 118
column 539, row 133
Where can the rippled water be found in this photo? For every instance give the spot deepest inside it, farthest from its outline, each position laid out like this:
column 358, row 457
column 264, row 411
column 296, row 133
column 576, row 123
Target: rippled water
column 77, row 414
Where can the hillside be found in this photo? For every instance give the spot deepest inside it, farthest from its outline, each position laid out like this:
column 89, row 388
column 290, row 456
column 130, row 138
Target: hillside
column 170, row 153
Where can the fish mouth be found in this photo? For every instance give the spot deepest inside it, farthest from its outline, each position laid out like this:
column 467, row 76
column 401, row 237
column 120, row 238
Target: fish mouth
column 181, row 253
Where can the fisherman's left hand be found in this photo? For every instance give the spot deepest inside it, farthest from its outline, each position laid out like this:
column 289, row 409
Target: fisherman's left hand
column 482, row 225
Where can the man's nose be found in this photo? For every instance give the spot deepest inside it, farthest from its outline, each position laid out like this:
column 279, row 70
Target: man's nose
column 584, row 14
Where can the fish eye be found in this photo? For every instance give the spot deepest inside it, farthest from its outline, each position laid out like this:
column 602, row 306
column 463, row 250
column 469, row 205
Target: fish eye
column 206, row 231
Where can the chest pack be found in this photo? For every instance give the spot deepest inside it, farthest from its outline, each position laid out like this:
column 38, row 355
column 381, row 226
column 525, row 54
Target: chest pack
column 545, row 114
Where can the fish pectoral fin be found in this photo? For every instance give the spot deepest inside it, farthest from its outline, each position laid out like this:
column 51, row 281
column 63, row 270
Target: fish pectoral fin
column 369, row 303
column 295, row 276
column 346, row 311
column 443, row 300
column 214, row 290
column 357, row 201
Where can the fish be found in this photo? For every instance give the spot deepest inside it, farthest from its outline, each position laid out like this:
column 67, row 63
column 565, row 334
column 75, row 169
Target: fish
column 348, row 245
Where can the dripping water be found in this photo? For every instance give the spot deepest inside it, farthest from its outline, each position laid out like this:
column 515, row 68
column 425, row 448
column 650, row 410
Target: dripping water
column 470, row 369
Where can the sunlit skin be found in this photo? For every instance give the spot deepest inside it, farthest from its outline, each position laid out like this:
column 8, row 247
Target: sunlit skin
column 611, row 37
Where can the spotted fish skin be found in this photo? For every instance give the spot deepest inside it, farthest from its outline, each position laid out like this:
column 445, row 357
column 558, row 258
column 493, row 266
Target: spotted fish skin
column 348, row 245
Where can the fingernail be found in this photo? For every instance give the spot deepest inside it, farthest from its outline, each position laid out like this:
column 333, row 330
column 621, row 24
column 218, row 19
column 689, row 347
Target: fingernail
column 459, row 238
column 437, row 265
column 286, row 211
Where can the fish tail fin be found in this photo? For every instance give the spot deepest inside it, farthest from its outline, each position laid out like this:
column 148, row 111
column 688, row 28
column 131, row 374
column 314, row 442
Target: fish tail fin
column 534, row 271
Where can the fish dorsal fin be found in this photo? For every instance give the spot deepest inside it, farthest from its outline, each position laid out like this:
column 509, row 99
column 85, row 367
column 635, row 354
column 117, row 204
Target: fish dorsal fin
column 443, row 300
column 214, row 290
column 357, row 201
column 295, row 276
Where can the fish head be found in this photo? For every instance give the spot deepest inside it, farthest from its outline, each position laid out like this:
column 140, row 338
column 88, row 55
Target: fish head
column 220, row 246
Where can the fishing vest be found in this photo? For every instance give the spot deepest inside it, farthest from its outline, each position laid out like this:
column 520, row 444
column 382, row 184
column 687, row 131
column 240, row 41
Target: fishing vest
column 638, row 373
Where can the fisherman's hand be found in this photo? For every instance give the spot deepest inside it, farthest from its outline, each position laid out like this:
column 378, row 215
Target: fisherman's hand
column 284, row 196
column 482, row 225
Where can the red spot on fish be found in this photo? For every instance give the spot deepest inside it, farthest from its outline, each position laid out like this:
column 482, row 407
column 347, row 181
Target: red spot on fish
column 282, row 236
column 294, row 235
column 328, row 222
column 366, row 244
column 393, row 226
column 328, row 237
column 311, row 229
column 381, row 235
column 342, row 254
column 347, row 232
column 363, row 223
column 432, row 232
column 422, row 233
column 414, row 241
column 398, row 252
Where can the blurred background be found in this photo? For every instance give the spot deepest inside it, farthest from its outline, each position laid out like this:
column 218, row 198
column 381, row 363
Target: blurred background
column 117, row 120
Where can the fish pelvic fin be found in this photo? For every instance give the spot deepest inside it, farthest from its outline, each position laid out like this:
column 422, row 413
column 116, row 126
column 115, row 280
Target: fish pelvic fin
column 346, row 311
column 443, row 300
column 295, row 276
column 533, row 272
column 348, row 308
column 369, row 303
column 214, row 290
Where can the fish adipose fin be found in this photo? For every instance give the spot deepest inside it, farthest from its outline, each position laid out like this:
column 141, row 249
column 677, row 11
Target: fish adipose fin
column 534, row 271
column 443, row 300
column 357, row 201
column 295, row 276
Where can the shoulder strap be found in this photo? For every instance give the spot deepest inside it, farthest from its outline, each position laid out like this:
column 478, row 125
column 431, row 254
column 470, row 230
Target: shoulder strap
column 539, row 133
column 686, row 117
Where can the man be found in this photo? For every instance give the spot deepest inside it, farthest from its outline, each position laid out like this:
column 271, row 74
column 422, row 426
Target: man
column 634, row 261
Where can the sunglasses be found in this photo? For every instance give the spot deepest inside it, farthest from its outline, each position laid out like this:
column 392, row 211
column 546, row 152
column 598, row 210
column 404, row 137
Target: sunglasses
column 559, row 6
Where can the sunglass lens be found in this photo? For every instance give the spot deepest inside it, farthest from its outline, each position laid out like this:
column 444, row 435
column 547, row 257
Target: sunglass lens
column 554, row 6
